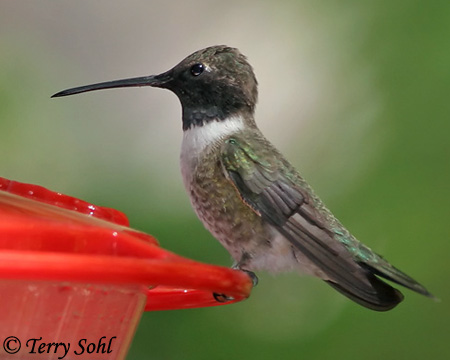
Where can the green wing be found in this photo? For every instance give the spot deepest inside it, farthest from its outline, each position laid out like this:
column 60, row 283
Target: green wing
column 259, row 183
column 272, row 191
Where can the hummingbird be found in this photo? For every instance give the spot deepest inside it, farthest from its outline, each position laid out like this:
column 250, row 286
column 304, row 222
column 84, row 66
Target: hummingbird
column 248, row 195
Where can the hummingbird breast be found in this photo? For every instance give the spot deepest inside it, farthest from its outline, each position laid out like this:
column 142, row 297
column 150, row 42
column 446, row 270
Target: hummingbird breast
column 216, row 202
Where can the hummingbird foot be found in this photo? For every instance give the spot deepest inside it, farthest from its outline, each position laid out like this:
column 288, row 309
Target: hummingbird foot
column 225, row 298
column 222, row 298
column 241, row 263
column 252, row 276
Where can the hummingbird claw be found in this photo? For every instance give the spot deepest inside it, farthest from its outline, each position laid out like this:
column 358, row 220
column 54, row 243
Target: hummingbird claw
column 222, row 297
column 242, row 263
column 252, row 276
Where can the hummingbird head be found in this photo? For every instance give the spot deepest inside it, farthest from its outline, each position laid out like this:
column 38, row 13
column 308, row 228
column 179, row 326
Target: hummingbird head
column 212, row 84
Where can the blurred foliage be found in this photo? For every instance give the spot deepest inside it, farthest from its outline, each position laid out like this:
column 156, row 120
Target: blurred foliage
column 376, row 148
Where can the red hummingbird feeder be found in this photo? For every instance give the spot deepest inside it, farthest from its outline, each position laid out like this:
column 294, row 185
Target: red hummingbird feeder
column 75, row 279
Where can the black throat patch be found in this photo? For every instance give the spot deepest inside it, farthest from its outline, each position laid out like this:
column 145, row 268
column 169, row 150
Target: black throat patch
column 200, row 117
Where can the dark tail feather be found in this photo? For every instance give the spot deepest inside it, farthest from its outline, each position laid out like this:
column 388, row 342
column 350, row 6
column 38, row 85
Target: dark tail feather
column 383, row 297
column 391, row 273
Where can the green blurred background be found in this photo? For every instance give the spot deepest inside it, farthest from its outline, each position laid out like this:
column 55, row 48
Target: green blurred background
column 355, row 93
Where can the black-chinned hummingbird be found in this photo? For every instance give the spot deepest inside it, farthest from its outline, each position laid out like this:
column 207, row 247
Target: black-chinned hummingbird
column 248, row 195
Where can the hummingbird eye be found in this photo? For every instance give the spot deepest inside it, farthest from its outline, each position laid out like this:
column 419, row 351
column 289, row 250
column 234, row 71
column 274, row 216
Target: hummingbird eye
column 197, row 69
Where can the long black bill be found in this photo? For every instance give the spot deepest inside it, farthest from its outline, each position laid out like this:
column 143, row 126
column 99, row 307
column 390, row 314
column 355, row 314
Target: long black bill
column 160, row 80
